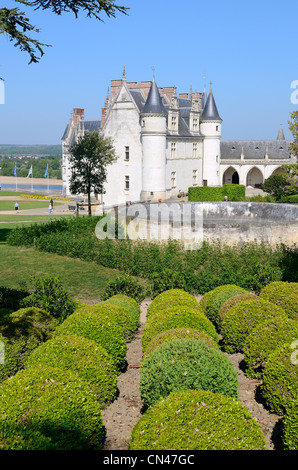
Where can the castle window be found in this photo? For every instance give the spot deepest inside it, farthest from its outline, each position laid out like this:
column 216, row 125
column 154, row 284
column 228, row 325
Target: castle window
column 126, row 183
column 126, row 153
column 174, row 122
column 217, row 128
column 194, row 177
column 195, row 124
column 173, row 179
column 194, row 150
column 173, row 149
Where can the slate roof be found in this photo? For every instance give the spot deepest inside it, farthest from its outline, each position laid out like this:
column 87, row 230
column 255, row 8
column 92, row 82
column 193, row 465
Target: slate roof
column 210, row 112
column 255, row 149
column 154, row 103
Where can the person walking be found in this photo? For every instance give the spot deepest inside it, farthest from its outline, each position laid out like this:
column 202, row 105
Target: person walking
column 50, row 208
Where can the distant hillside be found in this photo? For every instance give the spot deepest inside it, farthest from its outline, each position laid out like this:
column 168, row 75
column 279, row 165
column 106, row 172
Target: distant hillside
column 30, row 150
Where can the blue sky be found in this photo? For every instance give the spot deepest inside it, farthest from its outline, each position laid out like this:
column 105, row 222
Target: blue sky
column 247, row 49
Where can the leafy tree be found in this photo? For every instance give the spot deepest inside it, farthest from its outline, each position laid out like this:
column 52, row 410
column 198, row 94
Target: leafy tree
column 293, row 126
column 89, row 158
column 275, row 185
column 15, row 24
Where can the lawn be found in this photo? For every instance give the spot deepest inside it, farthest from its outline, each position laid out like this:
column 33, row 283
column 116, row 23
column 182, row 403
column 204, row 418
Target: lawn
column 84, row 281
column 10, row 221
column 25, row 205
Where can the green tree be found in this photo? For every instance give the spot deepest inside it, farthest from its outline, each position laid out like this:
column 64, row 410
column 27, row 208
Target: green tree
column 293, row 126
column 18, row 28
column 89, row 158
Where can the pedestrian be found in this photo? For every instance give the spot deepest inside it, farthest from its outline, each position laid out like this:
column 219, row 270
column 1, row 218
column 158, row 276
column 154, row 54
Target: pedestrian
column 16, row 206
column 226, row 198
column 50, row 208
column 52, row 202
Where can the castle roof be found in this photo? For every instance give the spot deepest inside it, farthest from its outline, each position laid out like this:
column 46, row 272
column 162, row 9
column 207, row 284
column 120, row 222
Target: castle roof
column 210, row 112
column 154, row 104
column 255, row 149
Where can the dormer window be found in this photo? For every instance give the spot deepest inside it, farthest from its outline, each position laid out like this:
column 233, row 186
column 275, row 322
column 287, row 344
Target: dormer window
column 257, row 148
column 126, row 155
column 195, row 124
column 174, row 122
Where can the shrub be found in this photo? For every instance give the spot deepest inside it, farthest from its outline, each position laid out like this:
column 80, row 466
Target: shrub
column 82, row 356
column 197, row 420
column 264, row 339
column 55, row 403
column 280, row 379
column 172, row 298
column 205, row 193
column 99, row 327
column 242, row 318
column 182, row 364
column 284, row 294
column 232, row 301
column 290, row 426
column 130, row 304
column 214, row 300
column 11, row 298
column 49, row 294
column 23, row 331
column 120, row 314
column 293, row 199
column 179, row 333
column 43, row 321
column 165, row 280
column 126, row 285
column 177, row 317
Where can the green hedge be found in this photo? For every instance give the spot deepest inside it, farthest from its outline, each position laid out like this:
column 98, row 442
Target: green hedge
column 179, row 333
column 290, row 199
column 290, row 426
column 284, row 294
column 213, row 300
column 184, row 364
column 130, row 304
column 173, row 298
column 99, row 327
column 22, row 332
column 235, row 192
column 116, row 312
column 197, row 420
column 53, row 402
column 242, row 319
column 82, row 356
column 232, row 301
column 264, row 339
column 280, row 379
column 177, row 317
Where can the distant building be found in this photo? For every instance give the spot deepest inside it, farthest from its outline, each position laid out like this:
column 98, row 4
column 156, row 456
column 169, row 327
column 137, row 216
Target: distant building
column 167, row 142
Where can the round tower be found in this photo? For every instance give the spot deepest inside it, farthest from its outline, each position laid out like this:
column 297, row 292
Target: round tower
column 153, row 138
column 210, row 128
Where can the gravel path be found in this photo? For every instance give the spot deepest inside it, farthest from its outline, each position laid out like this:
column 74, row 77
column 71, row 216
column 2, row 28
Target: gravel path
column 120, row 417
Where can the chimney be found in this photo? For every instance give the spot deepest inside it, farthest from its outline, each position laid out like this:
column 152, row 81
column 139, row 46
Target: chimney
column 78, row 114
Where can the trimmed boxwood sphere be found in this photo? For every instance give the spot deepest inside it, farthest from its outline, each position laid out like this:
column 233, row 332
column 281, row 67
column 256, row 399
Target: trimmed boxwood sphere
column 130, row 304
column 197, row 420
column 83, row 356
column 242, row 318
column 264, row 339
column 290, row 426
column 117, row 313
column 232, row 301
column 177, row 333
column 172, row 298
column 182, row 364
column 284, row 294
column 216, row 298
column 100, row 328
column 280, row 379
column 177, row 317
column 52, row 402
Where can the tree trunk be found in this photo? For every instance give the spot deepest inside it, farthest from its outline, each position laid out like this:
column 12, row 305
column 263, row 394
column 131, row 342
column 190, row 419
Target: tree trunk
column 89, row 203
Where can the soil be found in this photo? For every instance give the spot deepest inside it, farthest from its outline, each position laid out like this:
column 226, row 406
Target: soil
column 120, row 417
